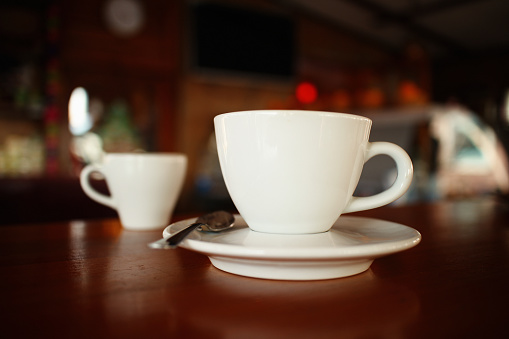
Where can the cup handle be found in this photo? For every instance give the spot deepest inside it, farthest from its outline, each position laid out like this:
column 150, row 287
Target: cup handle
column 399, row 187
column 90, row 191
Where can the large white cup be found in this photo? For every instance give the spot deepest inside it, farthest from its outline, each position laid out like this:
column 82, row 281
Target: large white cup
column 294, row 172
column 144, row 187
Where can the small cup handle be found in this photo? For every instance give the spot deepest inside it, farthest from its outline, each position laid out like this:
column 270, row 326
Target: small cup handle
column 399, row 187
column 90, row 191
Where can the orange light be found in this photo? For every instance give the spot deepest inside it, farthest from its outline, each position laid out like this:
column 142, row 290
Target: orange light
column 306, row 92
column 410, row 93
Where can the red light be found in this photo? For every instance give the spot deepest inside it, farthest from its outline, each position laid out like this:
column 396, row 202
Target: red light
column 306, row 92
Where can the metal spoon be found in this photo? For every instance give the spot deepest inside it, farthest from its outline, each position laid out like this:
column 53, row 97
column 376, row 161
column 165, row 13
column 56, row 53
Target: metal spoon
column 213, row 222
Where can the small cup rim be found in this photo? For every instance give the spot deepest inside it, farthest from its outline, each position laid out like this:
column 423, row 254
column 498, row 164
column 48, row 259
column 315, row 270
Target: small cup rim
column 160, row 155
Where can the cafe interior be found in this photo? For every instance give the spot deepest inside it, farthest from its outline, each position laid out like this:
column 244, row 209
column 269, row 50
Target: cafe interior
column 82, row 79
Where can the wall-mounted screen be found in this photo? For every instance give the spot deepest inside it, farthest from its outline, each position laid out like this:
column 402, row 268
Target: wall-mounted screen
column 235, row 39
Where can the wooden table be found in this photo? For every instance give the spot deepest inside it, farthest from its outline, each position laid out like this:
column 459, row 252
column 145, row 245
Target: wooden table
column 91, row 279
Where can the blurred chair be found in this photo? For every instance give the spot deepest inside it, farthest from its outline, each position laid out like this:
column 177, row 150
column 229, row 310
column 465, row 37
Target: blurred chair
column 471, row 161
column 463, row 156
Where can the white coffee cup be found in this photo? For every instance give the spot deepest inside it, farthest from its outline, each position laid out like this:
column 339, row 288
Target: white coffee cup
column 294, row 172
column 144, row 187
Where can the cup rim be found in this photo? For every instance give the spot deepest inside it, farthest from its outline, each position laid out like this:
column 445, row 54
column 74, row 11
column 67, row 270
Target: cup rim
column 299, row 112
column 145, row 155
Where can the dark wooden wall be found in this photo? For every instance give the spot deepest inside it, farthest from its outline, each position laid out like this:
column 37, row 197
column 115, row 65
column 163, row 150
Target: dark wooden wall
column 141, row 69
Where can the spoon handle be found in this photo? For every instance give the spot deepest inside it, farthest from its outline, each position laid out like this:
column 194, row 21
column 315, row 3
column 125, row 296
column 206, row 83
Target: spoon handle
column 175, row 239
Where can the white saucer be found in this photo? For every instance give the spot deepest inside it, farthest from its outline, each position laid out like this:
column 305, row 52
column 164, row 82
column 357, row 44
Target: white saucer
column 348, row 248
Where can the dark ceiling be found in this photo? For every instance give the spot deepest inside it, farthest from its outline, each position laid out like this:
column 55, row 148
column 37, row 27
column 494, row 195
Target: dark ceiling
column 446, row 28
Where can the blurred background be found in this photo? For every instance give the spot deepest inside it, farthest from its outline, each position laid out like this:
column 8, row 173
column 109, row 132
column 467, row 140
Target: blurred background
column 81, row 78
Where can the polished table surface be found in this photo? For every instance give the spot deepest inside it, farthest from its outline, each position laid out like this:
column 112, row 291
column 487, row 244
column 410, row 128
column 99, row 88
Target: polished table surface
column 92, row 279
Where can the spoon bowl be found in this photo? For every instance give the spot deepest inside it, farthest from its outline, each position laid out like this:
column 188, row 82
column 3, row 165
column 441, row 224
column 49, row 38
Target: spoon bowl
column 212, row 222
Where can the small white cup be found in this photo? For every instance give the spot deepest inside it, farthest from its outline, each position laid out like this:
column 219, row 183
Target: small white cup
column 294, row 172
column 144, row 187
